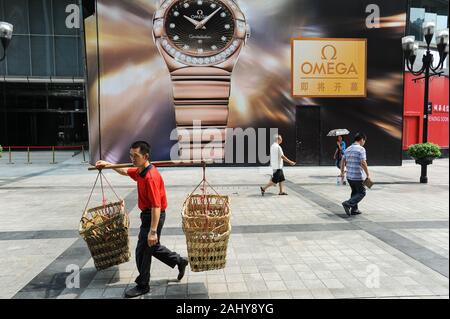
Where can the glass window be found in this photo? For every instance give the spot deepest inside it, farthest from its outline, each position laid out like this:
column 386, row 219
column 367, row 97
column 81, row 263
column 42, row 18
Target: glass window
column 424, row 11
column 442, row 22
column 42, row 61
column 66, row 50
column 36, row 22
column 19, row 56
column 40, row 16
column 416, row 19
column 2, row 66
column 1, row 11
column 81, row 59
column 16, row 13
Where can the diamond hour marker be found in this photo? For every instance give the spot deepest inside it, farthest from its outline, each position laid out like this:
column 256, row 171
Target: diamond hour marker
column 227, row 26
column 172, row 25
column 224, row 38
column 186, row 5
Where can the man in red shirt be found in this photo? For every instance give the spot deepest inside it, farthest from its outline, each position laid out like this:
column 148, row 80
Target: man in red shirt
column 152, row 201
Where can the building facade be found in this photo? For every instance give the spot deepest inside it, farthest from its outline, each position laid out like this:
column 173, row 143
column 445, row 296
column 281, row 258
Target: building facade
column 421, row 11
column 43, row 81
column 42, row 95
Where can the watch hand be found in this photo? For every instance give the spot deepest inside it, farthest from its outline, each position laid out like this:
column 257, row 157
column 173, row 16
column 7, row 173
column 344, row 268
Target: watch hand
column 204, row 21
column 194, row 22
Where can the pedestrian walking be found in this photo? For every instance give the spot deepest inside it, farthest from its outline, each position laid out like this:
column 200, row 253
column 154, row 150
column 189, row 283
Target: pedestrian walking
column 338, row 154
column 340, row 150
column 152, row 201
column 277, row 159
column 355, row 161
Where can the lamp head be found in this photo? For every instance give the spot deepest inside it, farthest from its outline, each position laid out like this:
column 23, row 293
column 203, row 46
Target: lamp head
column 6, row 32
column 408, row 45
column 428, row 31
column 442, row 41
column 408, row 42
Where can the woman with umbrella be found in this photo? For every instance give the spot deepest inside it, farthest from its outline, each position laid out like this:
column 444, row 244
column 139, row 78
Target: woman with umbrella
column 340, row 147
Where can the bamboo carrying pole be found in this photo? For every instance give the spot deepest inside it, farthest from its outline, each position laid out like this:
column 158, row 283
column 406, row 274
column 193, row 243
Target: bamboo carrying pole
column 159, row 164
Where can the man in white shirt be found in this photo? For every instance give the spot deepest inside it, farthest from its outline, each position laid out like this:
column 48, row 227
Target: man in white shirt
column 276, row 162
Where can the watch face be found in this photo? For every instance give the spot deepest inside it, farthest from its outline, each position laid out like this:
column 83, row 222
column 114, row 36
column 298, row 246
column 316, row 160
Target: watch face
column 200, row 27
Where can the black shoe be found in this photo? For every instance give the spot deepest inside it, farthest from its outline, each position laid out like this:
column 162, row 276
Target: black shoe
column 347, row 208
column 356, row 212
column 137, row 291
column 262, row 191
column 182, row 268
column 283, row 194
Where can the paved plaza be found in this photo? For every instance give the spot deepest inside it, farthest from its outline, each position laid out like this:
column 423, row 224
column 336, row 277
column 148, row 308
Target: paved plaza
column 297, row 246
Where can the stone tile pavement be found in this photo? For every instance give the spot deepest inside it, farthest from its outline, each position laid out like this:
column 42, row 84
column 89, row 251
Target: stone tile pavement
column 298, row 246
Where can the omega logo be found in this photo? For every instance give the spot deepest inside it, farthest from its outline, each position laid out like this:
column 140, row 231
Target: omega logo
column 329, row 66
column 199, row 15
column 324, row 51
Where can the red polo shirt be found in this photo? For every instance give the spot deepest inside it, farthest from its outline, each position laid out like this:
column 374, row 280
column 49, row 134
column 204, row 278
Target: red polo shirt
column 151, row 190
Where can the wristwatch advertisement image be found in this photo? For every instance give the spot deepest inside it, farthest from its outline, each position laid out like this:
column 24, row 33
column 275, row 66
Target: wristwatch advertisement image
column 188, row 77
column 200, row 42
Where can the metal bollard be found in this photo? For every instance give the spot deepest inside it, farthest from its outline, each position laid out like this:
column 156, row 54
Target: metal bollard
column 53, row 155
column 84, row 156
column 28, row 156
column 10, row 156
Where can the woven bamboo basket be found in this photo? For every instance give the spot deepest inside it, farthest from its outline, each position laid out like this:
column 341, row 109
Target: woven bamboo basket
column 207, row 226
column 105, row 229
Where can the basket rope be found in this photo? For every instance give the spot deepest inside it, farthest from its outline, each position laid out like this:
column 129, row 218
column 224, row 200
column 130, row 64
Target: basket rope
column 107, row 234
column 203, row 182
column 101, row 176
column 206, row 224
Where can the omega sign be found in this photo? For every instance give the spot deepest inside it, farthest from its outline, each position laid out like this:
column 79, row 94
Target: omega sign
column 329, row 67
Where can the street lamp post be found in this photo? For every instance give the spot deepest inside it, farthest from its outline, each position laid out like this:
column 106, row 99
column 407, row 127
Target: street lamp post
column 410, row 48
column 6, row 32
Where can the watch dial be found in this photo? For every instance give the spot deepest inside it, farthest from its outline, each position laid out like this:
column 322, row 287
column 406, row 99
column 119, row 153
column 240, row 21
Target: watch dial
column 200, row 27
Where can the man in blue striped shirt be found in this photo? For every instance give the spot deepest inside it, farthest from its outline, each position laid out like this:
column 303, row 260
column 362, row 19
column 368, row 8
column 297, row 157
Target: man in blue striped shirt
column 357, row 171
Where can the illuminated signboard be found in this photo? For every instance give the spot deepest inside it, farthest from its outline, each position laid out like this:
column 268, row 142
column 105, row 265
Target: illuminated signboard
column 323, row 67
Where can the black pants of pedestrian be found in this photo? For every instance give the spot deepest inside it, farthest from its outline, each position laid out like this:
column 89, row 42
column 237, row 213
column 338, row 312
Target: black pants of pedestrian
column 358, row 193
column 144, row 252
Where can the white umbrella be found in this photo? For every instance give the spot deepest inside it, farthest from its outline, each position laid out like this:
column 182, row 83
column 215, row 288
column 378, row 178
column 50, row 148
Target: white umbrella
column 339, row 132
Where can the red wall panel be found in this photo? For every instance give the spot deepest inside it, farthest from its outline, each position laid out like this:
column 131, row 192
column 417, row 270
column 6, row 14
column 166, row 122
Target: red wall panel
column 413, row 107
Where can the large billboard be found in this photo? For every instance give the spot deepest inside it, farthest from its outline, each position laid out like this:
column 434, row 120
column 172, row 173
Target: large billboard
column 134, row 93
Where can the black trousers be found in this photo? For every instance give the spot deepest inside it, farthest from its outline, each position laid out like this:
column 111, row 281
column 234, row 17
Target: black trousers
column 144, row 252
column 358, row 193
